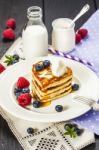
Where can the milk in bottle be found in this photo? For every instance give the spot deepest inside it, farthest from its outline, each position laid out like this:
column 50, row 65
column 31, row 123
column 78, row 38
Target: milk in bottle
column 35, row 36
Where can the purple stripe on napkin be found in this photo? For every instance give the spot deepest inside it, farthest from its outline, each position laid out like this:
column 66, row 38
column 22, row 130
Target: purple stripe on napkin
column 55, row 52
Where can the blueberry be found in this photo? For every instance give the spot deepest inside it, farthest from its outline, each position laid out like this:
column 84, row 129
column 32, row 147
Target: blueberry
column 18, row 94
column 25, row 90
column 39, row 67
column 75, row 125
column 17, row 90
column 58, row 108
column 46, row 63
column 16, row 57
column 67, row 125
column 70, row 125
column 15, row 61
column 79, row 131
column 75, row 87
column 30, row 130
column 36, row 104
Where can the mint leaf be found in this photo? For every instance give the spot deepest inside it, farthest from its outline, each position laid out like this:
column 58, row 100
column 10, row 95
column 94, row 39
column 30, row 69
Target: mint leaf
column 71, row 132
column 9, row 59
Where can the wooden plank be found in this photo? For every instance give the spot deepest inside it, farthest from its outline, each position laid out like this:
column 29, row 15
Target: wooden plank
column 7, row 139
column 66, row 8
column 97, row 3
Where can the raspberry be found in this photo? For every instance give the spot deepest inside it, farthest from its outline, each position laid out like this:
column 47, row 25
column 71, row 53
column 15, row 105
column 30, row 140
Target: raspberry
column 2, row 68
column 24, row 99
column 78, row 38
column 8, row 34
column 22, row 83
column 11, row 23
column 83, row 33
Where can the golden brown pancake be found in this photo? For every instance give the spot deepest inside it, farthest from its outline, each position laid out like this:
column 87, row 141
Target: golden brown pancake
column 47, row 87
column 52, row 98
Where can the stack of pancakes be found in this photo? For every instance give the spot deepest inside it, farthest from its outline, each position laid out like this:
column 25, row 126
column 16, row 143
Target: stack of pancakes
column 47, row 87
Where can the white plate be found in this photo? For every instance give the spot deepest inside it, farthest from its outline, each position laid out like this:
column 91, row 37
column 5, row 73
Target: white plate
column 89, row 87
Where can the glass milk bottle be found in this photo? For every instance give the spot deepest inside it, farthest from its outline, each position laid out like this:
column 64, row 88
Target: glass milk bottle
column 35, row 35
